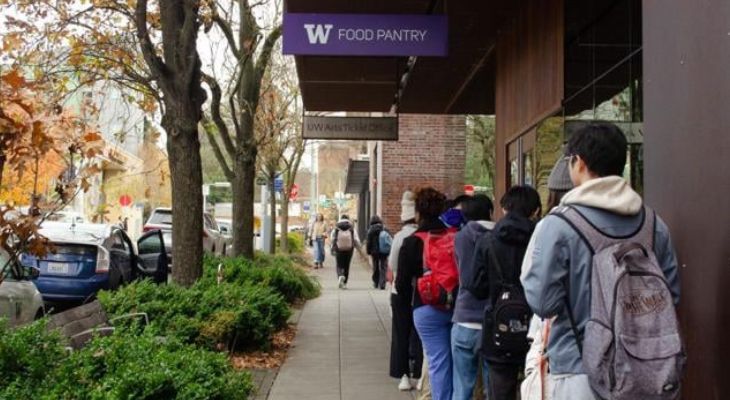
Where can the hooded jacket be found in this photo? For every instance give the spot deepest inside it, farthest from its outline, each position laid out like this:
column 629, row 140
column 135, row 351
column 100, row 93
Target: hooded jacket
column 557, row 265
column 469, row 309
column 373, row 237
column 344, row 225
column 509, row 238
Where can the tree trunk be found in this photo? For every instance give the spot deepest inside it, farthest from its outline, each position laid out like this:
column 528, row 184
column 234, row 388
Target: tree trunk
column 272, row 205
column 243, row 186
column 285, row 223
column 183, row 148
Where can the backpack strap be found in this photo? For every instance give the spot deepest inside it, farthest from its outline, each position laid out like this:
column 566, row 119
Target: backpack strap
column 495, row 260
column 646, row 235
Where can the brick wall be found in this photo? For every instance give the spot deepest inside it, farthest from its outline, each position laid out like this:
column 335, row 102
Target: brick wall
column 431, row 151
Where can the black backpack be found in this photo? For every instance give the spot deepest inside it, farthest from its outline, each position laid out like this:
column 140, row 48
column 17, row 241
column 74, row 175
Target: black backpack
column 506, row 320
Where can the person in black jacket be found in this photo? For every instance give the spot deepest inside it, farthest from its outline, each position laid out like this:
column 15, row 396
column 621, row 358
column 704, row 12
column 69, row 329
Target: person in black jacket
column 433, row 324
column 509, row 239
column 379, row 260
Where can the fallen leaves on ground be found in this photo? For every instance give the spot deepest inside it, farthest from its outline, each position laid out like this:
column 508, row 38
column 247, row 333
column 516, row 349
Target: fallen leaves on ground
column 274, row 358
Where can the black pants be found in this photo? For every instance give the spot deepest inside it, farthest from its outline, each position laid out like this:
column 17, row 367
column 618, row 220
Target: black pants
column 380, row 269
column 405, row 345
column 343, row 259
column 503, row 380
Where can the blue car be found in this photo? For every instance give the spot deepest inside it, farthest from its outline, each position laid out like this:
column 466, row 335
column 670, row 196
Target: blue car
column 86, row 258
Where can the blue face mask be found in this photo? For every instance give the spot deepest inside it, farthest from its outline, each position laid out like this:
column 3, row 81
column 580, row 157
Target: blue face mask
column 452, row 218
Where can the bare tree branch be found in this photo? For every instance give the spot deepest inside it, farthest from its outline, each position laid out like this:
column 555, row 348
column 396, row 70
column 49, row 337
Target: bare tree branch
column 157, row 66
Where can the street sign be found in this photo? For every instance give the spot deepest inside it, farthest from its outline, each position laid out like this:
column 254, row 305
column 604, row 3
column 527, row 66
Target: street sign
column 294, row 192
column 469, row 190
column 306, row 206
column 125, row 200
column 350, row 128
column 279, row 183
column 366, row 34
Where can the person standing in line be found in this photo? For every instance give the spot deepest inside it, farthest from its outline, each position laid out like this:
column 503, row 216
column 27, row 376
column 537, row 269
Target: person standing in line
column 563, row 249
column 432, row 318
column 344, row 243
column 319, row 234
column 379, row 260
column 535, row 384
column 404, row 339
column 500, row 255
column 469, row 311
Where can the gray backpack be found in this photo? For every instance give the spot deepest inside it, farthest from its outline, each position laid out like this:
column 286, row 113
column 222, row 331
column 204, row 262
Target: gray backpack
column 631, row 348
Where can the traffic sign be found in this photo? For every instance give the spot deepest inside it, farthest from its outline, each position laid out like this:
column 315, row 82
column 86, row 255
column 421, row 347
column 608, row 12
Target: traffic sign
column 125, row 200
column 294, row 192
column 279, row 183
column 469, row 190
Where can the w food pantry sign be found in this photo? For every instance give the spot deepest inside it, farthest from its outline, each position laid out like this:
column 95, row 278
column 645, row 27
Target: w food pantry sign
column 365, row 35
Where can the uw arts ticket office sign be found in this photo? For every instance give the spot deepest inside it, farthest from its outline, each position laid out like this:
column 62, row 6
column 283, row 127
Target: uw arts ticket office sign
column 350, row 128
column 365, row 35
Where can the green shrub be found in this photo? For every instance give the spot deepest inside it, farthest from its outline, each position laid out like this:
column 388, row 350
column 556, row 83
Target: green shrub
column 33, row 364
column 296, row 242
column 26, row 356
column 238, row 316
column 277, row 272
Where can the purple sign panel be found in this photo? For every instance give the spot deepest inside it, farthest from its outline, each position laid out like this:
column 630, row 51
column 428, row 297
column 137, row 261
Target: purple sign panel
column 365, row 35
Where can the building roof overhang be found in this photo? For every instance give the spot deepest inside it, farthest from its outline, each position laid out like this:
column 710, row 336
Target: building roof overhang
column 461, row 83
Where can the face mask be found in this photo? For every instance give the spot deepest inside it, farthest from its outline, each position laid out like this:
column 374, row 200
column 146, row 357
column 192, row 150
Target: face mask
column 452, row 218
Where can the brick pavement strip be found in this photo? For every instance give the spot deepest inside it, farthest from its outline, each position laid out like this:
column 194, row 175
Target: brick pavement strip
column 342, row 347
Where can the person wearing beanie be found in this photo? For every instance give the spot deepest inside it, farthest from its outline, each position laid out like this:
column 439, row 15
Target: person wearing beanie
column 405, row 343
column 559, row 183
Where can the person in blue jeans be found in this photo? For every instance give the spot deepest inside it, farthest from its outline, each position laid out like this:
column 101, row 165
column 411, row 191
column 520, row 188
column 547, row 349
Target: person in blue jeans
column 469, row 311
column 433, row 324
column 319, row 233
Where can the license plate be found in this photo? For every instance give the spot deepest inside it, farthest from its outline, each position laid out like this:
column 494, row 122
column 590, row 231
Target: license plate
column 59, row 268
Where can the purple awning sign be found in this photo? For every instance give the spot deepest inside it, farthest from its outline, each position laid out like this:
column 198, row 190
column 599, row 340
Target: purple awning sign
column 365, row 35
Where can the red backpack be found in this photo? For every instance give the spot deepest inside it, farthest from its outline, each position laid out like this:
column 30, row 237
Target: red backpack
column 437, row 287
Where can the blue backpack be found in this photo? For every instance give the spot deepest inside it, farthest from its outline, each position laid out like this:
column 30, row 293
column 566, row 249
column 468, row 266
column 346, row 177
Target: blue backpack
column 385, row 241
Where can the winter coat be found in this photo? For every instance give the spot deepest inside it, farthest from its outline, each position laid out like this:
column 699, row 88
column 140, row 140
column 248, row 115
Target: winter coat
column 510, row 238
column 410, row 260
column 406, row 231
column 373, row 238
column 468, row 308
column 557, row 266
column 344, row 225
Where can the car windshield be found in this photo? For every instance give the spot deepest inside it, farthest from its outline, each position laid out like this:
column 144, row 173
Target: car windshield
column 161, row 217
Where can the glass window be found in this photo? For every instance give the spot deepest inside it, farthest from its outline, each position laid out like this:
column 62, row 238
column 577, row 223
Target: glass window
column 150, row 245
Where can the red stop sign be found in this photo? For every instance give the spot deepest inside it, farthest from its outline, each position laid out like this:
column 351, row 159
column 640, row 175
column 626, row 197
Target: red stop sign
column 125, row 200
column 469, row 190
column 294, row 192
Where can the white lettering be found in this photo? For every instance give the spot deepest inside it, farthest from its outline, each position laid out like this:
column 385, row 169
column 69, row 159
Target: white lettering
column 318, row 33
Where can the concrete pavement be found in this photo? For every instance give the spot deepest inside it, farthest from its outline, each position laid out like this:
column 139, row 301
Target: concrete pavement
column 342, row 347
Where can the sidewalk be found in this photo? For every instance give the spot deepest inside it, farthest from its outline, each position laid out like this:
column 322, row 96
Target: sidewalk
column 342, row 347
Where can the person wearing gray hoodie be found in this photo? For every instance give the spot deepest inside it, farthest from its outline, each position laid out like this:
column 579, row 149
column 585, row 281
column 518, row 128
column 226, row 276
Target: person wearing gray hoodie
column 557, row 265
column 469, row 311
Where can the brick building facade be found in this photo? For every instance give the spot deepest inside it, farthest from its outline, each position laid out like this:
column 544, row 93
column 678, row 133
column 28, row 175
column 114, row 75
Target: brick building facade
column 431, row 151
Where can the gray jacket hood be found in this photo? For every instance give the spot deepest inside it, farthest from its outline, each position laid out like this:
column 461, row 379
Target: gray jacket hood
column 611, row 193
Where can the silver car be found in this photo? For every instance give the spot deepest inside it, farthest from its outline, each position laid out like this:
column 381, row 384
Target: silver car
column 20, row 300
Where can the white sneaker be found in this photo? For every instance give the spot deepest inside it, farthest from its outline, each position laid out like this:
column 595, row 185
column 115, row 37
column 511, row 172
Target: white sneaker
column 341, row 283
column 419, row 384
column 405, row 383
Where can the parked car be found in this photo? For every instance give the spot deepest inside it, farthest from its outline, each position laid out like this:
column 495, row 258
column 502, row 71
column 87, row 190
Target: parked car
column 226, row 227
column 20, row 300
column 86, row 258
column 213, row 240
